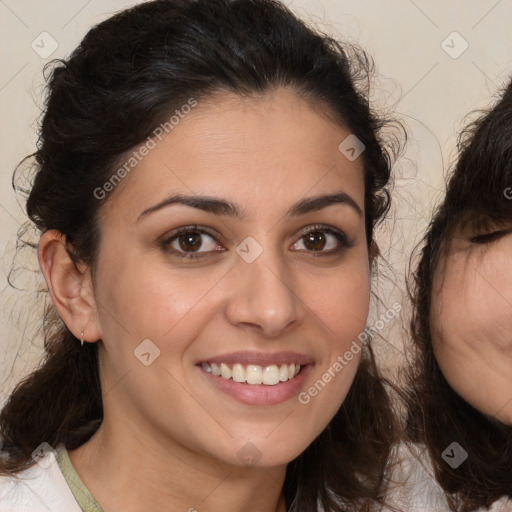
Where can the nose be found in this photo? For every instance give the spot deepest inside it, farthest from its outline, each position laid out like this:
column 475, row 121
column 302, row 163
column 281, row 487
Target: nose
column 264, row 296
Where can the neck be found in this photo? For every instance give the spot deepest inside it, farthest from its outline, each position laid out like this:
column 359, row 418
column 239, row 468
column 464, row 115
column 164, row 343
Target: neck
column 129, row 471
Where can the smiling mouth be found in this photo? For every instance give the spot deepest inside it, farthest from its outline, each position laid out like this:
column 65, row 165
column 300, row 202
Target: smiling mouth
column 268, row 375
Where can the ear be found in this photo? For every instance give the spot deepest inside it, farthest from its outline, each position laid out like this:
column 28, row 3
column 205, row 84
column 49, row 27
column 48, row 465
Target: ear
column 70, row 286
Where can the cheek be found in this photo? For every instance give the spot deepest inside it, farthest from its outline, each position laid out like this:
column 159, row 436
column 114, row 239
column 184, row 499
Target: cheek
column 471, row 322
column 339, row 298
column 341, row 304
column 471, row 308
column 148, row 298
column 139, row 302
column 345, row 308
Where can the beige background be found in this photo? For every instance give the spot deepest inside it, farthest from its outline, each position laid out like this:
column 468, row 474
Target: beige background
column 429, row 90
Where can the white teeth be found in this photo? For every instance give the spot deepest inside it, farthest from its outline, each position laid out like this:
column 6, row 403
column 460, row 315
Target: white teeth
column 271, row 375
column 225, row 371
column 238, row 373
column 254, row 374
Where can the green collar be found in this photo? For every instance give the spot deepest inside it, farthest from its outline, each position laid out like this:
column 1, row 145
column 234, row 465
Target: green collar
column 82, row 495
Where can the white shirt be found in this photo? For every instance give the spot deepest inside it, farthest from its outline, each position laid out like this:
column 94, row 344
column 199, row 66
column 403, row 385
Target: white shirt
column 40, row 488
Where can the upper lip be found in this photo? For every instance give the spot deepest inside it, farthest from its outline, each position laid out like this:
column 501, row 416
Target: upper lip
column 260, row 358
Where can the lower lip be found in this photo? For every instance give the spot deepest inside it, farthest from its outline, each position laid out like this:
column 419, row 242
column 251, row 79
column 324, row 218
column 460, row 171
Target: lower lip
column 260, row 394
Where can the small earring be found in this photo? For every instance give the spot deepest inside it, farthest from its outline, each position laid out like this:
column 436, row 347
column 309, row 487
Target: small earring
column 82, row 338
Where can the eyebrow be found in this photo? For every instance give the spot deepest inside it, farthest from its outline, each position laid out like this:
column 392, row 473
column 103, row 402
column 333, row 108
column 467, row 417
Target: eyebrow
column 218, row 206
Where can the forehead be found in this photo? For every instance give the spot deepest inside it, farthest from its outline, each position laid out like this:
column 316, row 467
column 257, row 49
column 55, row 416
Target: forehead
column 248, row 149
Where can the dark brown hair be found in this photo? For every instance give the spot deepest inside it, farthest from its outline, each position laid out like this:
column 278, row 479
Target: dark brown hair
column 437, row 415
column 122, row 81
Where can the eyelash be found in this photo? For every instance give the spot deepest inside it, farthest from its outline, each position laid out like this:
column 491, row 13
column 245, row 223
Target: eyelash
column 343, row 240
column 488, row 237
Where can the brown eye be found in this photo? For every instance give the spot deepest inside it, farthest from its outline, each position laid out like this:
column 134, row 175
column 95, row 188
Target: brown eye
column 323, row 240
column 315, row 241
column 190, row 241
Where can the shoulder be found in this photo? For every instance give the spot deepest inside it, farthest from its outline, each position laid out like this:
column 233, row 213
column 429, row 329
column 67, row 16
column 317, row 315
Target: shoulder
column 39, row 488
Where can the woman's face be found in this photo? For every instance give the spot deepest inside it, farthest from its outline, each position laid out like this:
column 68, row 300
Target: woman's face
column 243, row 288
column 471, row 318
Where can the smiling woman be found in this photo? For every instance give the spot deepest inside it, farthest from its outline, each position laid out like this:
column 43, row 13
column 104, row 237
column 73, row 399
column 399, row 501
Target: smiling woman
column 460, row 398
column 214, row 281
